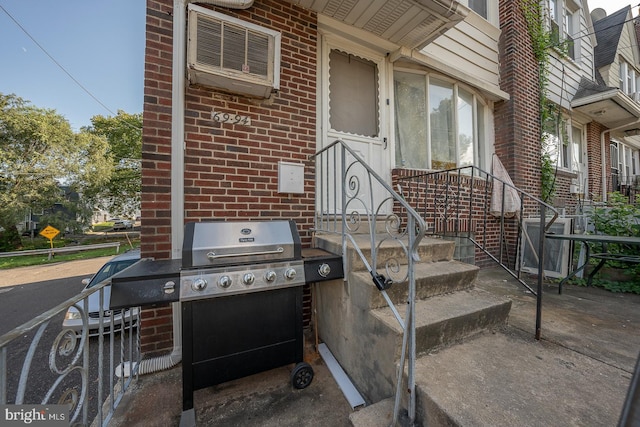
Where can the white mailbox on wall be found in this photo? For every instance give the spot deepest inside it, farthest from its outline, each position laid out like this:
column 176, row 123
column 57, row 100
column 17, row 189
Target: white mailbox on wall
column 290, row 178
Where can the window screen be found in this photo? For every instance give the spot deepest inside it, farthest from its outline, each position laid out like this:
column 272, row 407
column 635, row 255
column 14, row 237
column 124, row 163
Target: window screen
column 353, row 94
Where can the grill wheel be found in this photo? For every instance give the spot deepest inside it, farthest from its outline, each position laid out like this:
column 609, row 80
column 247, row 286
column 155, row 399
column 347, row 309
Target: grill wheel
column 302, row 375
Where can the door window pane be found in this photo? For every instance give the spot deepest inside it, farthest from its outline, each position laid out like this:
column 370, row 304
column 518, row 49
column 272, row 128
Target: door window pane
column 442, row 131
column 576, row 151
column 353, row 99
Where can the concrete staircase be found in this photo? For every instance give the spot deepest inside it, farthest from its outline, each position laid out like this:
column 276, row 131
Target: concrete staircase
column 356, row 324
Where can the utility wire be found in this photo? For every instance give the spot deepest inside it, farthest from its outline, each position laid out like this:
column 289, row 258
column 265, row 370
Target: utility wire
column 60, row 65
column 580, row 34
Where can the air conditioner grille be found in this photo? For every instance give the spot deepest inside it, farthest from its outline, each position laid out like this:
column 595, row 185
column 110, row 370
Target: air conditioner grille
column 232, row 55
column 232, row 47
column 257, row 56
column 210, row 32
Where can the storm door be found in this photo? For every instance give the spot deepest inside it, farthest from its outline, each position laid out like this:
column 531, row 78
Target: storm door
column 355, row 111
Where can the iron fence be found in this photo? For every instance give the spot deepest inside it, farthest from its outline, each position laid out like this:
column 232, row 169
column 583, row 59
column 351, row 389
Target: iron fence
column 89, row 369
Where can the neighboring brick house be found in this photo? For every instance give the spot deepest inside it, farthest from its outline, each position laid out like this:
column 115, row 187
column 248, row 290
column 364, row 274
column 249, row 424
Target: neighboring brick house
column 617, row 59
column 610, row 99
column 380, row 75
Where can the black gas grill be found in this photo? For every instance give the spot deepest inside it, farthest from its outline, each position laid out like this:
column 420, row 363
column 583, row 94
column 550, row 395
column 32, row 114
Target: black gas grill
column 240, row 288
column 241, row 292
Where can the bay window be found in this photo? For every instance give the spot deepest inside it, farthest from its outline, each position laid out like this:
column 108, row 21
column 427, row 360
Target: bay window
column 439, row 124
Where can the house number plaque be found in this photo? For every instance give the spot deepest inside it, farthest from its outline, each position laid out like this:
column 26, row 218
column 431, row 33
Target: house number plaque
column 235, row 119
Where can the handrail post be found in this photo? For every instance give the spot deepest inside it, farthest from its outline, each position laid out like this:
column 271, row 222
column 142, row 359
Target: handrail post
column 540, row 271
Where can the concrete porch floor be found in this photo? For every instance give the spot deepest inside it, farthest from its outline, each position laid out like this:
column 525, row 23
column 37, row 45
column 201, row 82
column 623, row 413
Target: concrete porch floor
column 598, row 330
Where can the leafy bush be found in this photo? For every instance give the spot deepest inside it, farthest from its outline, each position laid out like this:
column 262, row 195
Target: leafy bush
column 619, row 218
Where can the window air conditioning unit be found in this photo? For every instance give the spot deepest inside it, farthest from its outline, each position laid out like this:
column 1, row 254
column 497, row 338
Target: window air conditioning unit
column 636, row 97
column 232, row 55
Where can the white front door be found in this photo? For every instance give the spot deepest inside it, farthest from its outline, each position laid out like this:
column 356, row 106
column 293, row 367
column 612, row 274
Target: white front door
column 355, row 110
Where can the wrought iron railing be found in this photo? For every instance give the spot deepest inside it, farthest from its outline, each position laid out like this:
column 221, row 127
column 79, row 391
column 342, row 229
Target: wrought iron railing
column 628, row 186
column 352, row 200
column 487, row 210
column 44, row 363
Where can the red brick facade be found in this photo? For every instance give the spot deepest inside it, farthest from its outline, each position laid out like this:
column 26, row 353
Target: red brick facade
column 517, row 124
column 230, row 171
column 595, row 156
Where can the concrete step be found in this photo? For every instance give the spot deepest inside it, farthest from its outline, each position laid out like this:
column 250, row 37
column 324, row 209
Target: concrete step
column 445, row 319
column 432, row 278
column 509, row 379
column 430, row 249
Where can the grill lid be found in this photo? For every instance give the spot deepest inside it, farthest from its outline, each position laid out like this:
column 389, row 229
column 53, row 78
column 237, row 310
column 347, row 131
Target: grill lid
column 221, row 243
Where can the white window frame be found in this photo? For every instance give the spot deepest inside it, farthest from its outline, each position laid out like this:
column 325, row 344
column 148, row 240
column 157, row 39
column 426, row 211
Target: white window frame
column 564, row 16
column 613, row 156
column 492, row 11
column 628, row 78
column 564, row 155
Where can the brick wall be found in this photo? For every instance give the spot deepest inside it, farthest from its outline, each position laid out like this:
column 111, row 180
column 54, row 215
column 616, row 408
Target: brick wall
column 460, row 205
column 231, row 171
column 517, row 126
column 595, row 156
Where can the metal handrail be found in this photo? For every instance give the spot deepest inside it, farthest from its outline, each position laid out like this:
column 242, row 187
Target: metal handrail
column 61, row 250
column 352, row 195
column 461, row 196
column 69, row 361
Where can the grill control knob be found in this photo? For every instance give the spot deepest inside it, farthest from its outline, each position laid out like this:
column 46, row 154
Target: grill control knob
column 248, row 279
column 224, row 282
column 199, row 284
column 270, row 276
column 290, row 273
column 324, row 269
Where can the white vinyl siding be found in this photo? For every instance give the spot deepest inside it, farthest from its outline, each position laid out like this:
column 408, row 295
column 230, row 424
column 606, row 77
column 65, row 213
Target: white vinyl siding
column 472, row 47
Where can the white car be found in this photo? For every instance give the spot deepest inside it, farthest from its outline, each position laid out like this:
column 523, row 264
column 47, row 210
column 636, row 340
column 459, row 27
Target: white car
column 121, row 224
column 73, row 317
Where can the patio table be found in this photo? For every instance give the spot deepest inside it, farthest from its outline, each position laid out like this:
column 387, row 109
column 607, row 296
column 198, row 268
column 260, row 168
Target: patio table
column 603, row 255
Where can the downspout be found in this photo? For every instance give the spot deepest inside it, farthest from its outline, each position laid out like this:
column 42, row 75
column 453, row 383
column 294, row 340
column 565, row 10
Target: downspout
column 178, row 65
column 604, row 157
column 178, row 80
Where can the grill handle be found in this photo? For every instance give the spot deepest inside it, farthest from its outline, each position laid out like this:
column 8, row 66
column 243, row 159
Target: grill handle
column 212, row 255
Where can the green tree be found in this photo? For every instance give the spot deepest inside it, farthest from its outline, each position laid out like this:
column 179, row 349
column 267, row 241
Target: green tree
column 39, row 153
column 121, row 195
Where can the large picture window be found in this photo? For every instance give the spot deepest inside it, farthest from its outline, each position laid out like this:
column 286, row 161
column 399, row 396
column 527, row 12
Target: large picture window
column 439, row 124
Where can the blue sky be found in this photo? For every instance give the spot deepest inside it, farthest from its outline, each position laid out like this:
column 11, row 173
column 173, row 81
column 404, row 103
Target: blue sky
column 99, row 42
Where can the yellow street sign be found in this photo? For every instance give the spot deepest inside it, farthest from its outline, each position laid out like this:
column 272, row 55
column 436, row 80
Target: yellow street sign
column 49, row 232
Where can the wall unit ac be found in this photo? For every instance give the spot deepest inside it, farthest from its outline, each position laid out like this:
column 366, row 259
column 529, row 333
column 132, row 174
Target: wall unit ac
column 232, row 55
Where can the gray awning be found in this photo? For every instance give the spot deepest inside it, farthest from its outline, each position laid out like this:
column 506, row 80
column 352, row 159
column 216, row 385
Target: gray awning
column 410, row 23
column 606, row 105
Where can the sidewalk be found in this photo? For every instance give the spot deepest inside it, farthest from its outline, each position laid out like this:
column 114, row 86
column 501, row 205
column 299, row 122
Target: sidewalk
column 57, row 270
column 590, row 342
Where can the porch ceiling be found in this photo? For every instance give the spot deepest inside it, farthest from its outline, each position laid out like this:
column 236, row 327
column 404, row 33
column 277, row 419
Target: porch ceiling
column 612, row 108
column 410, row 23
